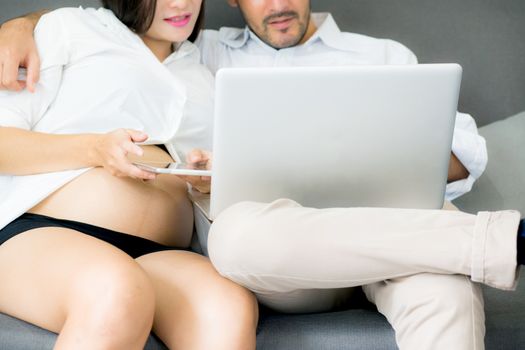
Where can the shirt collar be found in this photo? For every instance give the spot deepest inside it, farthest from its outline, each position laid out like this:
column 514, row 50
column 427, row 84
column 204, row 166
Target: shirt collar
column 234, row 37
column 327, row 31
column 186, row 50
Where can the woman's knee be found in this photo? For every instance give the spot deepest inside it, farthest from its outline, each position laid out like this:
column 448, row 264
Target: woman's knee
column 234, row 303
column 229, row 315
column 192, row 299
column 115, row 293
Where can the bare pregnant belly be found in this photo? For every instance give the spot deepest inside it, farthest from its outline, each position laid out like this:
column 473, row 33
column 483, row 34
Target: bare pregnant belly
column 158, row 210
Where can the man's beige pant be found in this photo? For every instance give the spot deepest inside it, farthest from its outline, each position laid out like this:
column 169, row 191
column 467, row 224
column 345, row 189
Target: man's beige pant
column 413, row 264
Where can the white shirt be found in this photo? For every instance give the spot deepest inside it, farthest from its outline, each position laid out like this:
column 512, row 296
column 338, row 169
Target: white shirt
column 235, row 47
column 98, row 76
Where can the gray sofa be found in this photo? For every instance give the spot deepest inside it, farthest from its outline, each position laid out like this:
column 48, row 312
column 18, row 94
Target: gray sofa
column 486, row 38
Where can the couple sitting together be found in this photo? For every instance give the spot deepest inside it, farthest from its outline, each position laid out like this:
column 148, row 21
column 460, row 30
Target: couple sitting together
column 106, row 244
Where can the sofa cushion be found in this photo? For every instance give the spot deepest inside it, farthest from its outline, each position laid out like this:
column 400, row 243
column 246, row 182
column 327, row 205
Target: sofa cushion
column 505, row 312
column 343, row 330
column 502, row 186
column 19, row 335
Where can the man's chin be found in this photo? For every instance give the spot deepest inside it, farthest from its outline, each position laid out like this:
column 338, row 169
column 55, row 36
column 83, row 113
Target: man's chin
column 284, row 43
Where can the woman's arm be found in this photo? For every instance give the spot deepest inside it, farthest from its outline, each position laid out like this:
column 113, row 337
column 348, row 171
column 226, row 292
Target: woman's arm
column 18, row 49
column 24, row 152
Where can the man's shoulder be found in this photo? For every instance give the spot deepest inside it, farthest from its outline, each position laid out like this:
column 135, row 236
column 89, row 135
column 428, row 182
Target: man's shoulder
column 79, row 18
column 229, row 36
column 213, row 45
column 53, row 34
column 209, row 34
column 393, row 51
column 67, row 32
column 70, row 14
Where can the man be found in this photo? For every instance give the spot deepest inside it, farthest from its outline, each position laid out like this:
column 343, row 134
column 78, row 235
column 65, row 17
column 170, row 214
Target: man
column 412, row 264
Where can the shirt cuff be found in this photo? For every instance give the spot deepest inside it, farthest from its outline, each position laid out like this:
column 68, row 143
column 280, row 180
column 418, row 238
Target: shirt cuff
column 458, row 188
column 476, row 166
column 463, row 148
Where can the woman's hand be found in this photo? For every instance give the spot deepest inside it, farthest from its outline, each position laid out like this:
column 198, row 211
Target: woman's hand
column 112, row 150
column 199, row 159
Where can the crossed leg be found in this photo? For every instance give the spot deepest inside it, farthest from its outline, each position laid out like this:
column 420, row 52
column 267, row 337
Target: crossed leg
column 432, row 311
column 416, row 263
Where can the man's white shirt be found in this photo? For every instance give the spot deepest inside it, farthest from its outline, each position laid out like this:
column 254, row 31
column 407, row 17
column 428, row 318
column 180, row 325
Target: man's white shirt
column 236, row 47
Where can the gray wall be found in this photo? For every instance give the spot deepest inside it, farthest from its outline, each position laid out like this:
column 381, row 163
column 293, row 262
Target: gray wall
column 485, row 36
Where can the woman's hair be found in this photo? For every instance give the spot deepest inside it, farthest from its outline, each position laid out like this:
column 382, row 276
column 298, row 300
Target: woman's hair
column 138, row 15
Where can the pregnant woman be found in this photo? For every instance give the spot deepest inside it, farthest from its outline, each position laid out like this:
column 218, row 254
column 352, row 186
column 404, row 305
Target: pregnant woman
column 91, row 247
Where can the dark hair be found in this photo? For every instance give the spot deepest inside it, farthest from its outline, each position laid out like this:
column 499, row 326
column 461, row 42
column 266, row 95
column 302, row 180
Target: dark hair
column 138, row 15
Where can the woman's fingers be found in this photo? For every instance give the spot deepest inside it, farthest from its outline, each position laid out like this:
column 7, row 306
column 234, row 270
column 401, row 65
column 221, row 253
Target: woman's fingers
column 137, row 136
column 199, row 159
column 130, row 170
column 130, row 147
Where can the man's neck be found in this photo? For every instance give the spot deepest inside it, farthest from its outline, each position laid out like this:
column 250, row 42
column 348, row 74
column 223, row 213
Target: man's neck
column 310, row 31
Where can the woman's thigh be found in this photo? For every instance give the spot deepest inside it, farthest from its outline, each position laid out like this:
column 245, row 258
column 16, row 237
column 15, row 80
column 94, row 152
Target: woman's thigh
column 196, row 308
column 45, row 272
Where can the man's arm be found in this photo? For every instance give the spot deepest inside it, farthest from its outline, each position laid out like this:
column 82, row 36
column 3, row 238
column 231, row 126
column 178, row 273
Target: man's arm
column 456, row 170
column 18, row 49
column 470, row 150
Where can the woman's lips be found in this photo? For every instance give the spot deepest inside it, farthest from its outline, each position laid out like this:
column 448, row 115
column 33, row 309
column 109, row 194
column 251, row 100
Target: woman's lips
column 178, row 21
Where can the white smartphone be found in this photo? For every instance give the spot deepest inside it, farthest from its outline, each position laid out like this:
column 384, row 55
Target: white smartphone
column 172, row 168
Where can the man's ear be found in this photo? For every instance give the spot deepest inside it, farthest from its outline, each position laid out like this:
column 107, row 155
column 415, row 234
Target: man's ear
column 233, row 3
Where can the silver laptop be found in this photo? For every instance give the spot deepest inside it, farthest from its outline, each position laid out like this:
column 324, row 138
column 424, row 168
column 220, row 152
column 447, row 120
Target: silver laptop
column 360, row 136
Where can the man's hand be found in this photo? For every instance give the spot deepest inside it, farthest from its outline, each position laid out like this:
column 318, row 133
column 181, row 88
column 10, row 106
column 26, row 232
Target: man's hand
column 111, row 151
column 18, row 49
column 199, row 159
column 456, row 170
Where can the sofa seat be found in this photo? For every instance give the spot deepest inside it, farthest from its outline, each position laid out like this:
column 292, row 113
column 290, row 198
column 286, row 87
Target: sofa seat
column 355, row 329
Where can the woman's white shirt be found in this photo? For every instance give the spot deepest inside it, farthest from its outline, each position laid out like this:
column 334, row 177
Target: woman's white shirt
column 98, row 76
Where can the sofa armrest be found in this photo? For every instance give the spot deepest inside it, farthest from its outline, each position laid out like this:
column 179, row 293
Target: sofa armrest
column 502, row 186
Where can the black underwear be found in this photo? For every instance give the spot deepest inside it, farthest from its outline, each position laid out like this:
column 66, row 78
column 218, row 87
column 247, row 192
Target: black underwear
column 132, row 245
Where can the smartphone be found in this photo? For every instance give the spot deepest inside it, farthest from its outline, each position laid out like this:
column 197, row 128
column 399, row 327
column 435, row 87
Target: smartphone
column 172, row 168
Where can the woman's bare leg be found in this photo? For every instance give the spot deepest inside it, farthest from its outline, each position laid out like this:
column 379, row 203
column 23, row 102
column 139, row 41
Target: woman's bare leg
column 92, row 294
column 196, row 308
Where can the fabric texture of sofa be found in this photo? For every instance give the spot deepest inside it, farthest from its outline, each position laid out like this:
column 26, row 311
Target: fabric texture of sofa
column 486, row 38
